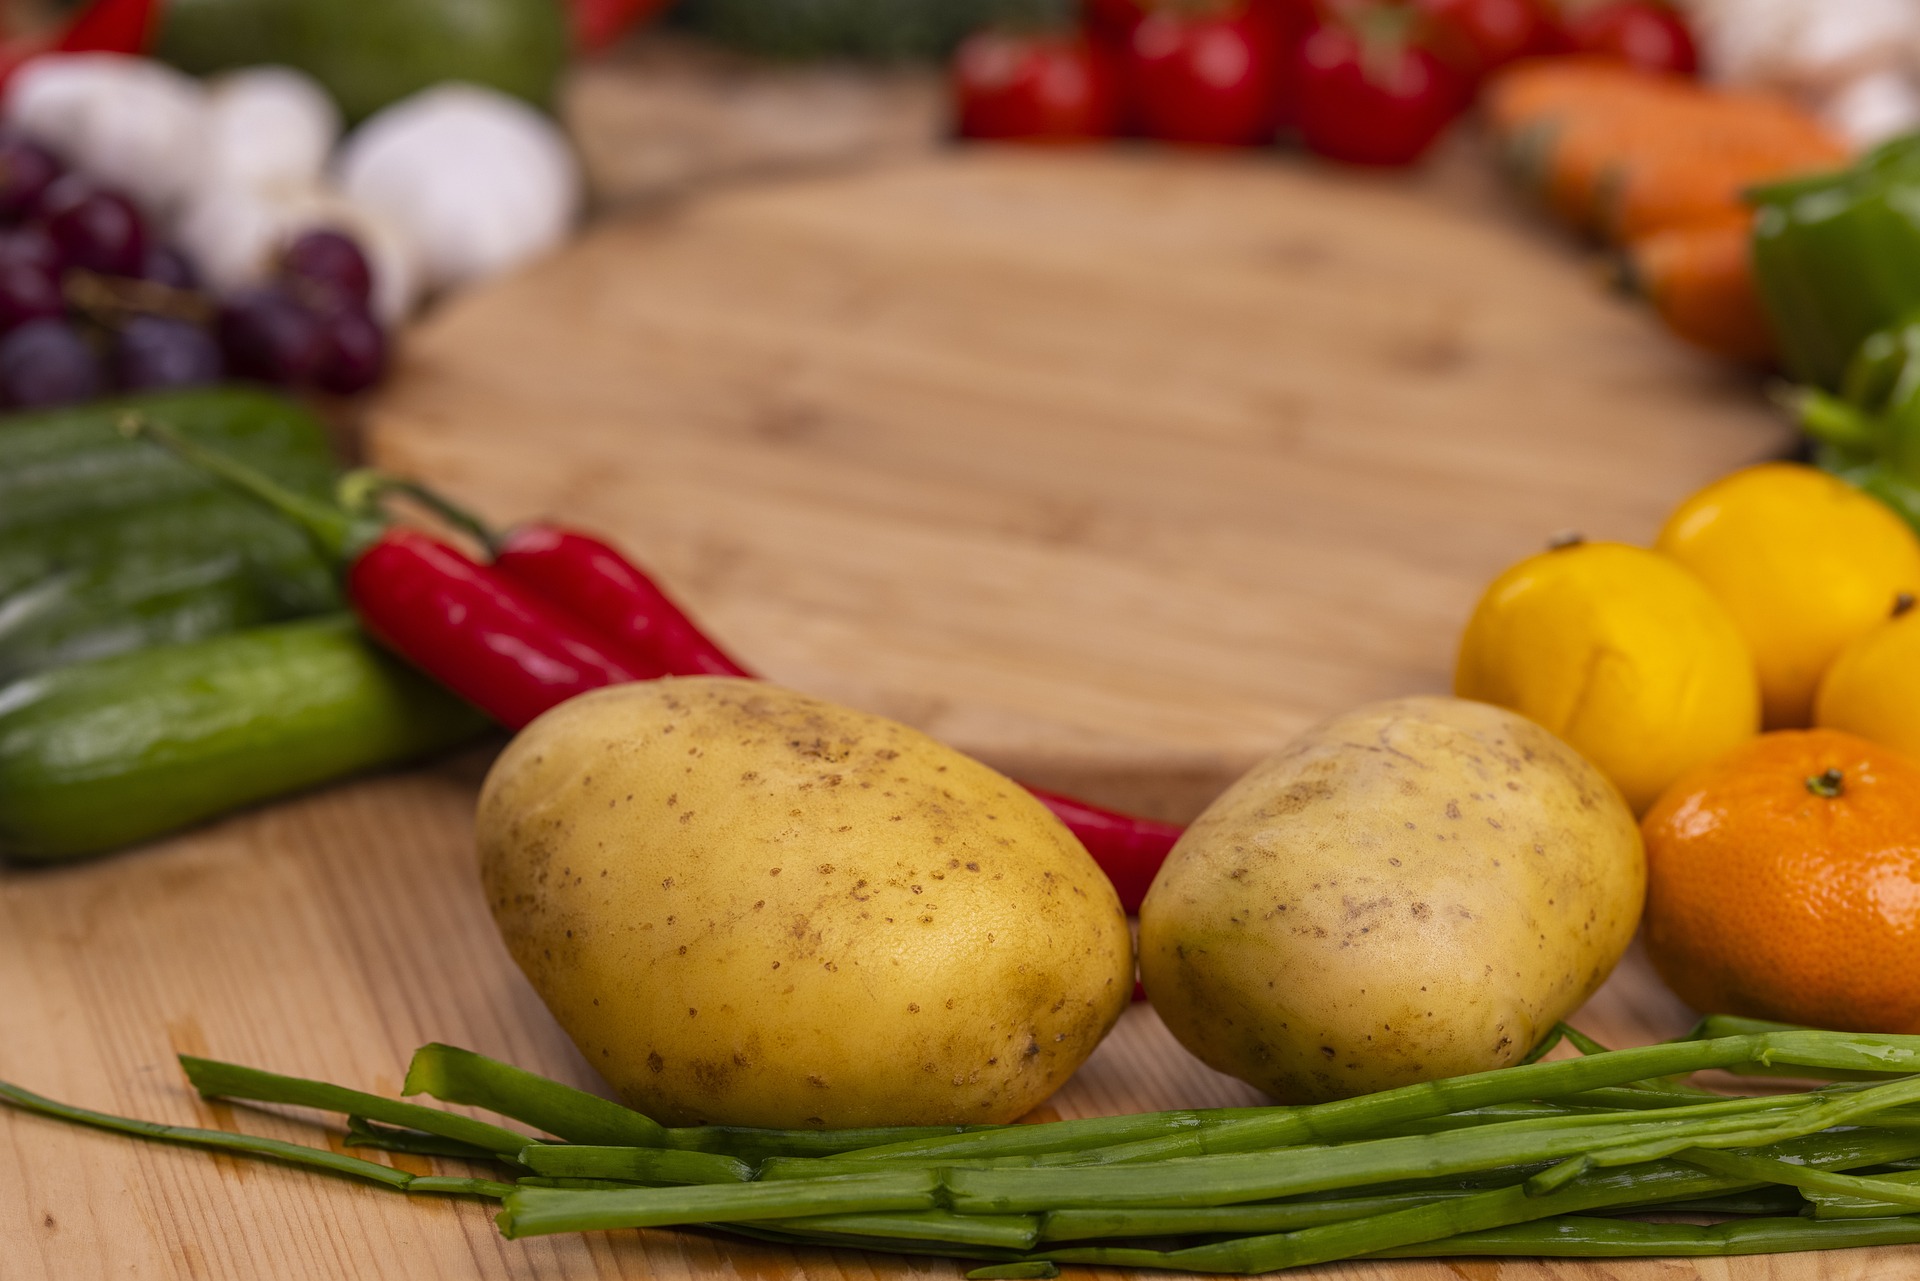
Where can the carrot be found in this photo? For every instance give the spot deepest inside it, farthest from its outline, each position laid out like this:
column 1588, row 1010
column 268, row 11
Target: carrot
column 1623, row 154
column 1700, row 281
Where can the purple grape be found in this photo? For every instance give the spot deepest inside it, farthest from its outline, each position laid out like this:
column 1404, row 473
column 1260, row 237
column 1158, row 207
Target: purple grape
column 28, row 292
column 267, row 334
column 163, row 351
column 26, row 171
column 32, row 246
column 356, row 350
column 97, row 229
column 331, row 262
column 47, row 362
column 165, row 265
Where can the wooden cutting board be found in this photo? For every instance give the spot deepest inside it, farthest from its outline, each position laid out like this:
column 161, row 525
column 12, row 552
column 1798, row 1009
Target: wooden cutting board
column 1116, row 469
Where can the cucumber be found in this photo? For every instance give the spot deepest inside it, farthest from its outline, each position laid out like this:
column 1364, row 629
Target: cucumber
column 121, row 750
column 64, row 464
column 164, row 573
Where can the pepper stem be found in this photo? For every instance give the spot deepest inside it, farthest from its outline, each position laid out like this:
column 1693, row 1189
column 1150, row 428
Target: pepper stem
column 1828, row 783
column 361, row 490
column 338, row 535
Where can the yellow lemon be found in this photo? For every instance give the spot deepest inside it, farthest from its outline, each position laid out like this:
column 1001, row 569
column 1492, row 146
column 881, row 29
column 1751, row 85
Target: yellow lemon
column 1803, row 561
column 1873, row 688
column 1619, row 651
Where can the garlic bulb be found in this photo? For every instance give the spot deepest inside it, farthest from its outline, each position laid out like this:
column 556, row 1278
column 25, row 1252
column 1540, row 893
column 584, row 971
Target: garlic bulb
column 268, row 127
column 478, row 181
column 130, row 122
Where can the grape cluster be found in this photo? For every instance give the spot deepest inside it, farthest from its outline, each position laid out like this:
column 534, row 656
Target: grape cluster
column 91, row 301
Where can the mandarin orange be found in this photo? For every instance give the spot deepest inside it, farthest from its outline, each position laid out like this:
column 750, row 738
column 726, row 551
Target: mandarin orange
column 1783, row 882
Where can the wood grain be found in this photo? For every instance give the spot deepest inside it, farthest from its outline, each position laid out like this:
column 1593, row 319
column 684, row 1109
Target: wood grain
column 1113, row 469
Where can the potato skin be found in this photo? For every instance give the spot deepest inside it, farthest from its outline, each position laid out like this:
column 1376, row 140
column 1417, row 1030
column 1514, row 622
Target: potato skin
column 751, row 907
column 1417, row 889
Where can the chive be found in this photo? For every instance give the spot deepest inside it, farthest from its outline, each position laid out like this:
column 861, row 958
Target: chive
column 537, row 1211
column 751, row 1144
column 1259, row 1176
column 454, row 1075
column 296, row 1154
column 447, row 1185
column 633, row 1165
column 1738, row 1165
column 1421, row 1226
column 999, row 1231
column 1181, row 1221
column 1831, row 1205
column 1014, row 1271
column 1573, row 1236
column 1154, row 1136
column 231, row 1081
column 362, row 1133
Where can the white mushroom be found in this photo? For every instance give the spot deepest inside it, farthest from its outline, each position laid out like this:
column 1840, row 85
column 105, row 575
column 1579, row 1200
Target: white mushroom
column 477, row 180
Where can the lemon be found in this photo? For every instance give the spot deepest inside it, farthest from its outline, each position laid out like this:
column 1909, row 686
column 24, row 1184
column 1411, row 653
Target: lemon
column 1873, row 688
column 1620, row 652
column 1803, row 561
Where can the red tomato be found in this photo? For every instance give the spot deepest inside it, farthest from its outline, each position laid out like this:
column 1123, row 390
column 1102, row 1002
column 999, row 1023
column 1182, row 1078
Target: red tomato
column 1374, row 101
column 599, row 23
column 1482, row 35
column 1037, row 87
column 1285, row 23
column 1113, row 19
column 1651, row 37
column 1206, row 77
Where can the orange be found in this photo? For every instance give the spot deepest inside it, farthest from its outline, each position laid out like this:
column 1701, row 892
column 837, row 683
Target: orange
column 1783, row 882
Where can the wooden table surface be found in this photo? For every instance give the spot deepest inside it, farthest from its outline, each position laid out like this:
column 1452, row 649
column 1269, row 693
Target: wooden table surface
column 1115, row 469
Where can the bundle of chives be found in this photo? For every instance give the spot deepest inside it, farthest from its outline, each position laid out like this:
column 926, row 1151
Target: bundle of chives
column 1523, row 1160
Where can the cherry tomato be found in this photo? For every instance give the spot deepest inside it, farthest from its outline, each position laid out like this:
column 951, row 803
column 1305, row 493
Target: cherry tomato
column 598, row 24
column 1055, row 87
column 1483, row 35
column 1285, row 23
column 1113, row 20
column 1649, row 36
column 1211, row 77
column 1369, row 96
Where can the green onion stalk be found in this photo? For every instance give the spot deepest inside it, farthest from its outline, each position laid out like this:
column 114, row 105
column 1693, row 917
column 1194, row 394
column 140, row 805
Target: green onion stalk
column 1545, row 1158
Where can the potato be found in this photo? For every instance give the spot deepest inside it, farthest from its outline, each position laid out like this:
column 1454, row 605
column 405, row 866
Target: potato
column 751, row 907
column 1417, row 889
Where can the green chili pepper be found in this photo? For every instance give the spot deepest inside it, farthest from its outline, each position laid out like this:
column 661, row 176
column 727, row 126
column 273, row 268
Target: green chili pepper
column 66, row 463
column 123, row 749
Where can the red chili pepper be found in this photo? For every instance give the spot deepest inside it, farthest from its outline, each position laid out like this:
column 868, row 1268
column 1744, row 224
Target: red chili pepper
column 596, row 584
column 598, row 24
column 105, row 26
column 469, row 626
column 592, row 581
column 109, row 26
